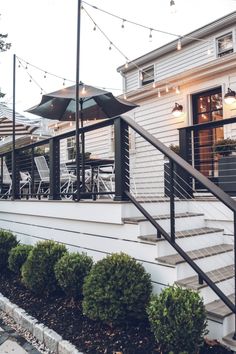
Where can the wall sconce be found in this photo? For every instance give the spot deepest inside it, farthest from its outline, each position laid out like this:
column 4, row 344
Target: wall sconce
column 230, row 97
column 177, row 110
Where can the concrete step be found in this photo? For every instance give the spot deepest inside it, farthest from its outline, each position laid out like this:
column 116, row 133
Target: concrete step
column 187, row 240
column 206, row 258
column 196, row 220
column 222, row 277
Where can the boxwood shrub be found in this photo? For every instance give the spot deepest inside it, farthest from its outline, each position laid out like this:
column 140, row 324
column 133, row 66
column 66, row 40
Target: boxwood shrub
column 116, row 290
column 70, row 271
column 38, row 270
column 178, row 320
column 17, row 257
column 7, row 242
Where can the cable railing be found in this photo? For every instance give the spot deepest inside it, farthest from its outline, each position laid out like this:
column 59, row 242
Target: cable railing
column 174, row 185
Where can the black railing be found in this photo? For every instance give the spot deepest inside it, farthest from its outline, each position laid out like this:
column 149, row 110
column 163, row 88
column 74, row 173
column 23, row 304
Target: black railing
column 121, row 192
column 191, row 172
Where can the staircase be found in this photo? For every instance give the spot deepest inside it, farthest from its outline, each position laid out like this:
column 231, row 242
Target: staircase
column 208, row 247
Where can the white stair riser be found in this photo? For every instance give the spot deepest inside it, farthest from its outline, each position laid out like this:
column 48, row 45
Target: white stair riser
column 181, row 224
column 219, row 328
column 207, row 263
column 156, row 208
column 190, row 243
column 226, row 286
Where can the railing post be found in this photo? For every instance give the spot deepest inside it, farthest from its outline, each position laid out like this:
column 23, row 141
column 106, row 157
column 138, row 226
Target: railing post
column 234, row 336
column 172, row 202
column 32, row 172
column 185, row 150
column 1, row 185
column 54, row 159
column 121, row 159
column 15, row 176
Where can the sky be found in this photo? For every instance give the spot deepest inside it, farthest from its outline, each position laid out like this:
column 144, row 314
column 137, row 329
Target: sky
column 44, row 34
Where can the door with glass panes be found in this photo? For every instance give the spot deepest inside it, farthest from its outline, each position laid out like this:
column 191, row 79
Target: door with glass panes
column 207, row 107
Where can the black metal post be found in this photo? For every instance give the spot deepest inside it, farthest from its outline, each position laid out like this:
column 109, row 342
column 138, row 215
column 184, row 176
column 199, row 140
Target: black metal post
column 82, row 157
column 1, row 175
column 121, row 159
column 234, row 336
column 77, row 104
column 32, row 173
column 15, row 180
column 172, row 202
column 185, row 149
column 54, row 159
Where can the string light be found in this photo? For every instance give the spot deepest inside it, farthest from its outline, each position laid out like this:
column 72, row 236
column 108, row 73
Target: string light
column 153, row 85
column 124, row 96
column 172, row 4
column 126, row 65
column 150, row 35
column 159, row 93
column 94, row 28
column 64, row 82
column 172, row 7
column 45, row 75
column 123, row 24
column 83, row 90
column 141, row 76
column 167, row 88
column 110, row 47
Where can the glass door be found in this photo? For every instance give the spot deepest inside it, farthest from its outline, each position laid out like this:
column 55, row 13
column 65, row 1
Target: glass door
column 207, row 107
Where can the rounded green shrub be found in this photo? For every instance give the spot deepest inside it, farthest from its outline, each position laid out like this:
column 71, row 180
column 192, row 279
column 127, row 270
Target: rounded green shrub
column 70, row 271
column 178, row 320
column 117, row 290
column 7, row 242
column 17, row 257
column 38, row 270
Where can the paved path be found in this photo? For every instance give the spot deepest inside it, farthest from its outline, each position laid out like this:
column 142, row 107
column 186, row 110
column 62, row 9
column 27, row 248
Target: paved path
column 12, row 343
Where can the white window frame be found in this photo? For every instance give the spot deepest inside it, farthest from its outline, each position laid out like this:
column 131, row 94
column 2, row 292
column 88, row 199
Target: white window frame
column 142, row 73
column 220, row 36
column 70, row 145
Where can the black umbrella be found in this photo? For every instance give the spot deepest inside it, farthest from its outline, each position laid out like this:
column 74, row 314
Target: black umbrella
column 94, row 103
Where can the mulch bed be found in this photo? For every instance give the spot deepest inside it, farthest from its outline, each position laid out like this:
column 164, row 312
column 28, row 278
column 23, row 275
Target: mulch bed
column 66, row 318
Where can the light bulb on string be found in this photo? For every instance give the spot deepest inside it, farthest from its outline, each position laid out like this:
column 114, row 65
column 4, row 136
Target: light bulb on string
column 45, row 75
column 172, row 7
column 126, row 65
column 167, row 88
column 209, row 51
column 150, row 35
column 110, row 47
column 41, row 92
column 64, row 82
column 124, row 96
column 19, row 66
column 153, row 85
column 141, row 76
column 159, row 93
column 30, row 80
column 26, row 67
column 95, row 27
column 83, row 90
column 179, row 45
column 123, row 23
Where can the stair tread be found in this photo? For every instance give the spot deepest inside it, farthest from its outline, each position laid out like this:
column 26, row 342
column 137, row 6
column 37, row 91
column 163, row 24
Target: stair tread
column 136, row 220
column 175, row 259
column 216, row 275
column 218, row 308
column 185, row 233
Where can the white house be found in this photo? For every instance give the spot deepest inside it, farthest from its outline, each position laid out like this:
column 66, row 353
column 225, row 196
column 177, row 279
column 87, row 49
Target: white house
column 187, row 240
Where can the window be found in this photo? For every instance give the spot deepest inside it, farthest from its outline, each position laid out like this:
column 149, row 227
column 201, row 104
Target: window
column 225, row 44
column 147, row 75
column 71, row 151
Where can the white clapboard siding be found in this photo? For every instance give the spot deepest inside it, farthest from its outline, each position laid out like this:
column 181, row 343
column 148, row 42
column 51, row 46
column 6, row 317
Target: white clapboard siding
column 132, row 81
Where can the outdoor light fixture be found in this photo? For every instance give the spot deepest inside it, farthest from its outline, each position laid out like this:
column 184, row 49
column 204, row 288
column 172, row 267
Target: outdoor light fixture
column 177, row 110
column 230, row 97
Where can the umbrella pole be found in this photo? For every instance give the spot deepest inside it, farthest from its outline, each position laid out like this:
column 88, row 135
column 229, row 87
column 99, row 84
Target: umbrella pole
column 82, row 147
column 77, row 104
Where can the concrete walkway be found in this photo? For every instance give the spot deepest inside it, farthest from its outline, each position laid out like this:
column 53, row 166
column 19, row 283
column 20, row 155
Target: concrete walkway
column 12, row 343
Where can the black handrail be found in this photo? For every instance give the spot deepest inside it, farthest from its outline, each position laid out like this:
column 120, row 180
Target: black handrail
column 207, row 125
column 211, row 187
